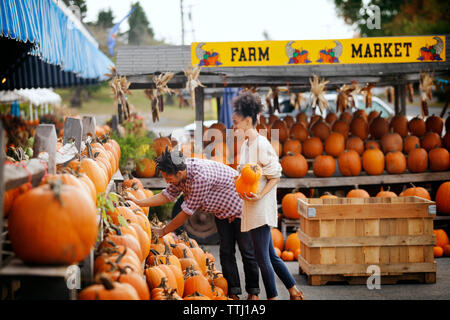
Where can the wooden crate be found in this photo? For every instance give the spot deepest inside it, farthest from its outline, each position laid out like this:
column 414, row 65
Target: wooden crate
column 340, row 238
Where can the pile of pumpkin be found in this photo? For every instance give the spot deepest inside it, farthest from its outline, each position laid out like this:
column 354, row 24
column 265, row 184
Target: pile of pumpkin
column 132, row 264
column 62, row 228
column 357, row 142
column 287, row 249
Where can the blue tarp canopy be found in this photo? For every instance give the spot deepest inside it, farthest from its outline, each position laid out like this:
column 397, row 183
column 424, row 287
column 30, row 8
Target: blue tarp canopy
column 43, row 46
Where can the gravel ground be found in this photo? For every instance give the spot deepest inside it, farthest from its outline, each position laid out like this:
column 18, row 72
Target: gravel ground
column 407, row 291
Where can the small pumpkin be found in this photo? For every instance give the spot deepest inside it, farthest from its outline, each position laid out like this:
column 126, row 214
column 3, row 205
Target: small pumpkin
column 342, row 127
column 378, row 127
column 334, row 144
column 312, row 147
column 294, row 166
column 292, row 242
column 287, row 255
column 277, row 238
column 435, row 124
column 373, row 161
column 441, row 237
column 439, row 159
column 438, row 252
column 292, row 146
column 299, row 132
column 386, row 194
column 399, row 124
column 145, row 168
column 430, row 141
column 109, row 290
column 349, row 163
column 358, row 193
column 415, row 191
column 359, row 127
column 248, row 181
column 355, row 143
column 417, row 127
column 417, row 160
column 289, row 205
column 395, row 162
column 391, row 142
column 410, row 143
column 442, row 198
column 320, row 129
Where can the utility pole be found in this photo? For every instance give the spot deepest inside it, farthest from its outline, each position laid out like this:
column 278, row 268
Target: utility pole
column 182, row 22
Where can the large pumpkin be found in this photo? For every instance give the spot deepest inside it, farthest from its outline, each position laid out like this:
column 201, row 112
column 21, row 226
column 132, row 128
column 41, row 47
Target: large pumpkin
column 442, row 198
column 439, row 159
column 53, row 224
column 145, row 168
column 395, row 162
column 373, row 161
column 277, row 238
column 334, row 144
column 160, row 144
column 292, row 242
column 312, row 147
column 441, row 237
column 294, row 166
column 324, row 166
column 349, row 163
column 417, row 160
column 289, row 205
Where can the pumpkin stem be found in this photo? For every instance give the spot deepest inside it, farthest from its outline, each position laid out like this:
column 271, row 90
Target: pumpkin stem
column 121, row 255
column 56, row 187
column 106, row 281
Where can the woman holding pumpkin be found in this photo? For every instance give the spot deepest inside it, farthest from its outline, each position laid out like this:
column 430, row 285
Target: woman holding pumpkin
column 259, row 210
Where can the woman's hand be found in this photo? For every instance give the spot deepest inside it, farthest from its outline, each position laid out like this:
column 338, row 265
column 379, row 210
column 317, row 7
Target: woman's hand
column 159, row 232
column 129, row 196
column 252, row 197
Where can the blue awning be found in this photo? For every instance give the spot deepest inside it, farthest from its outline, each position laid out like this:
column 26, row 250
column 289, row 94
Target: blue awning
column 58, row 51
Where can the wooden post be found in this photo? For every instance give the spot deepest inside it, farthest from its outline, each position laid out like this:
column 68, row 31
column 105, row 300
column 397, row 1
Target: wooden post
column 89, row 124
column 115, row 124
column 444, row 110
column 119, row 112
column 73, row 129
column 199, row 117
column 396, row 99
column 218, row 107
column 2, row 188
column 45, row 140
column 402, row 99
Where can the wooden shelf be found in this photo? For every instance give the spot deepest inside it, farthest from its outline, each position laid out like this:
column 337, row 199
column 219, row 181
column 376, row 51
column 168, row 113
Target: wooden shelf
column 16, row 268
column 311, row 181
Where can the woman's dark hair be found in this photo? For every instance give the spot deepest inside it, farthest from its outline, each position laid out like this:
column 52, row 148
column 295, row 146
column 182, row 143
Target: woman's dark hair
column 247, row 104
column 170, row 162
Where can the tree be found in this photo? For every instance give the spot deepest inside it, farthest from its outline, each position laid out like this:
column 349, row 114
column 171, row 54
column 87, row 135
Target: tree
column 139, row 26
column 81, row 4
column 398, row 17
column 105, row 19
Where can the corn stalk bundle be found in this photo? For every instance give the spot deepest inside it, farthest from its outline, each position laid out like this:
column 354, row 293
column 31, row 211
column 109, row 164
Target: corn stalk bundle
column 162, row 88
column 250, row 89
column 317, row 90
column 275, row 94
column 154, row 104
column 426, row 87
column 120, row 87
column 410, row 92
column 390, row 94
column 297, row 100
column 367, row 92
column 192, row 82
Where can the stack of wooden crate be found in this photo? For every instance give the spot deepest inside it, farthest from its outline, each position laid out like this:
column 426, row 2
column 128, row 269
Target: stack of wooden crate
column 341, row 238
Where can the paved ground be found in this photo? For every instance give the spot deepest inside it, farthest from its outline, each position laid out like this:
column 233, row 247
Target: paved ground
column 410, row 291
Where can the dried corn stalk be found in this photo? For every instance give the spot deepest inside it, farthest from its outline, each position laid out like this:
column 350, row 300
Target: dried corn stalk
column 192, row 82
column 269, row 96
column 162, row 88
column 317, row 90
column 120, row 87
column 410, row 92
column 367, row 92
column 275, row 94
column 154, row 103
column 426, row 87
column 297, row 100
column 390, row 94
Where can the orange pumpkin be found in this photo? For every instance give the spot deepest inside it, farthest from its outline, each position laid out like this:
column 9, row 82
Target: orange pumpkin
column 145, row 168
column 287, row 255
column 359, row 127
column 292, row 242
column 358, row 193
column 395, row 162
column 346, row 116
column 378, row 127
column 373, row 161
column 410, row 143
column 294, row 166
column 441, row 237
column 416, row 191
column 386, row 194
column 248, row 181
column 399, row 124
column 355, row 143
column 434, row 124
column 349, row 163
column 391, row 142
column 442, row 198
column 312, row 147
column 334, row 144
column 324, row 166
column 320, row 129
column 70, row 221
column 277, row 238
column 283, row 131
column 438, row 252
column 196, row 282
column 289, row 205
column 430, row 141
column 417, row 127
column 439, row 159
column 109, row 290
column 372, row 144
column 417, row 160
column 331, row 118
column 292, row 146
column 342, row 127
column 299, row 132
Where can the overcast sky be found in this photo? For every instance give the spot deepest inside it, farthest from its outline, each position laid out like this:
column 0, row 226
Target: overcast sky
column 233, row 20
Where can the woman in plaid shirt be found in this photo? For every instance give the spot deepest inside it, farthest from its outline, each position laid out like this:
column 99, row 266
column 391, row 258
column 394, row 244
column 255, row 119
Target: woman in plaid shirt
column 208, row 186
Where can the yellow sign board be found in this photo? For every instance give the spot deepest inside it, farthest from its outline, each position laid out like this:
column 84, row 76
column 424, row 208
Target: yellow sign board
column 315, row 52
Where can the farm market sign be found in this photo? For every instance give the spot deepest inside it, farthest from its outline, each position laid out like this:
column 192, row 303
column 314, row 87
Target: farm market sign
column 315, row 52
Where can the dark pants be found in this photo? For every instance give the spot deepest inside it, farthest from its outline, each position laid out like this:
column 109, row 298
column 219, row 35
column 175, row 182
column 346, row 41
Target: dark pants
column 230, row 233
column 268, row 261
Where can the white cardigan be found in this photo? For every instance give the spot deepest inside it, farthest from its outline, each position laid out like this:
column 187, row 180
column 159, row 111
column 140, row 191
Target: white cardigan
column 263, row 211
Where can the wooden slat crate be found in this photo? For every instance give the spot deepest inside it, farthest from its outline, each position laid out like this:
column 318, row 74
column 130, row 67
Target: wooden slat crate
column 340, row 238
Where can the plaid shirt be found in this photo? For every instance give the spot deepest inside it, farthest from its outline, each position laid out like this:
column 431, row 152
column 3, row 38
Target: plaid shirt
column 209, row 188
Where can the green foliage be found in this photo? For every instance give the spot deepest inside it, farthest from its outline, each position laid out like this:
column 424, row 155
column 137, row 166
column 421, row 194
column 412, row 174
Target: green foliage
column 105, row 18
column 139, row 26
column 80, row 4
column 164, row 212
column 398, row 17
column 137, row 142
